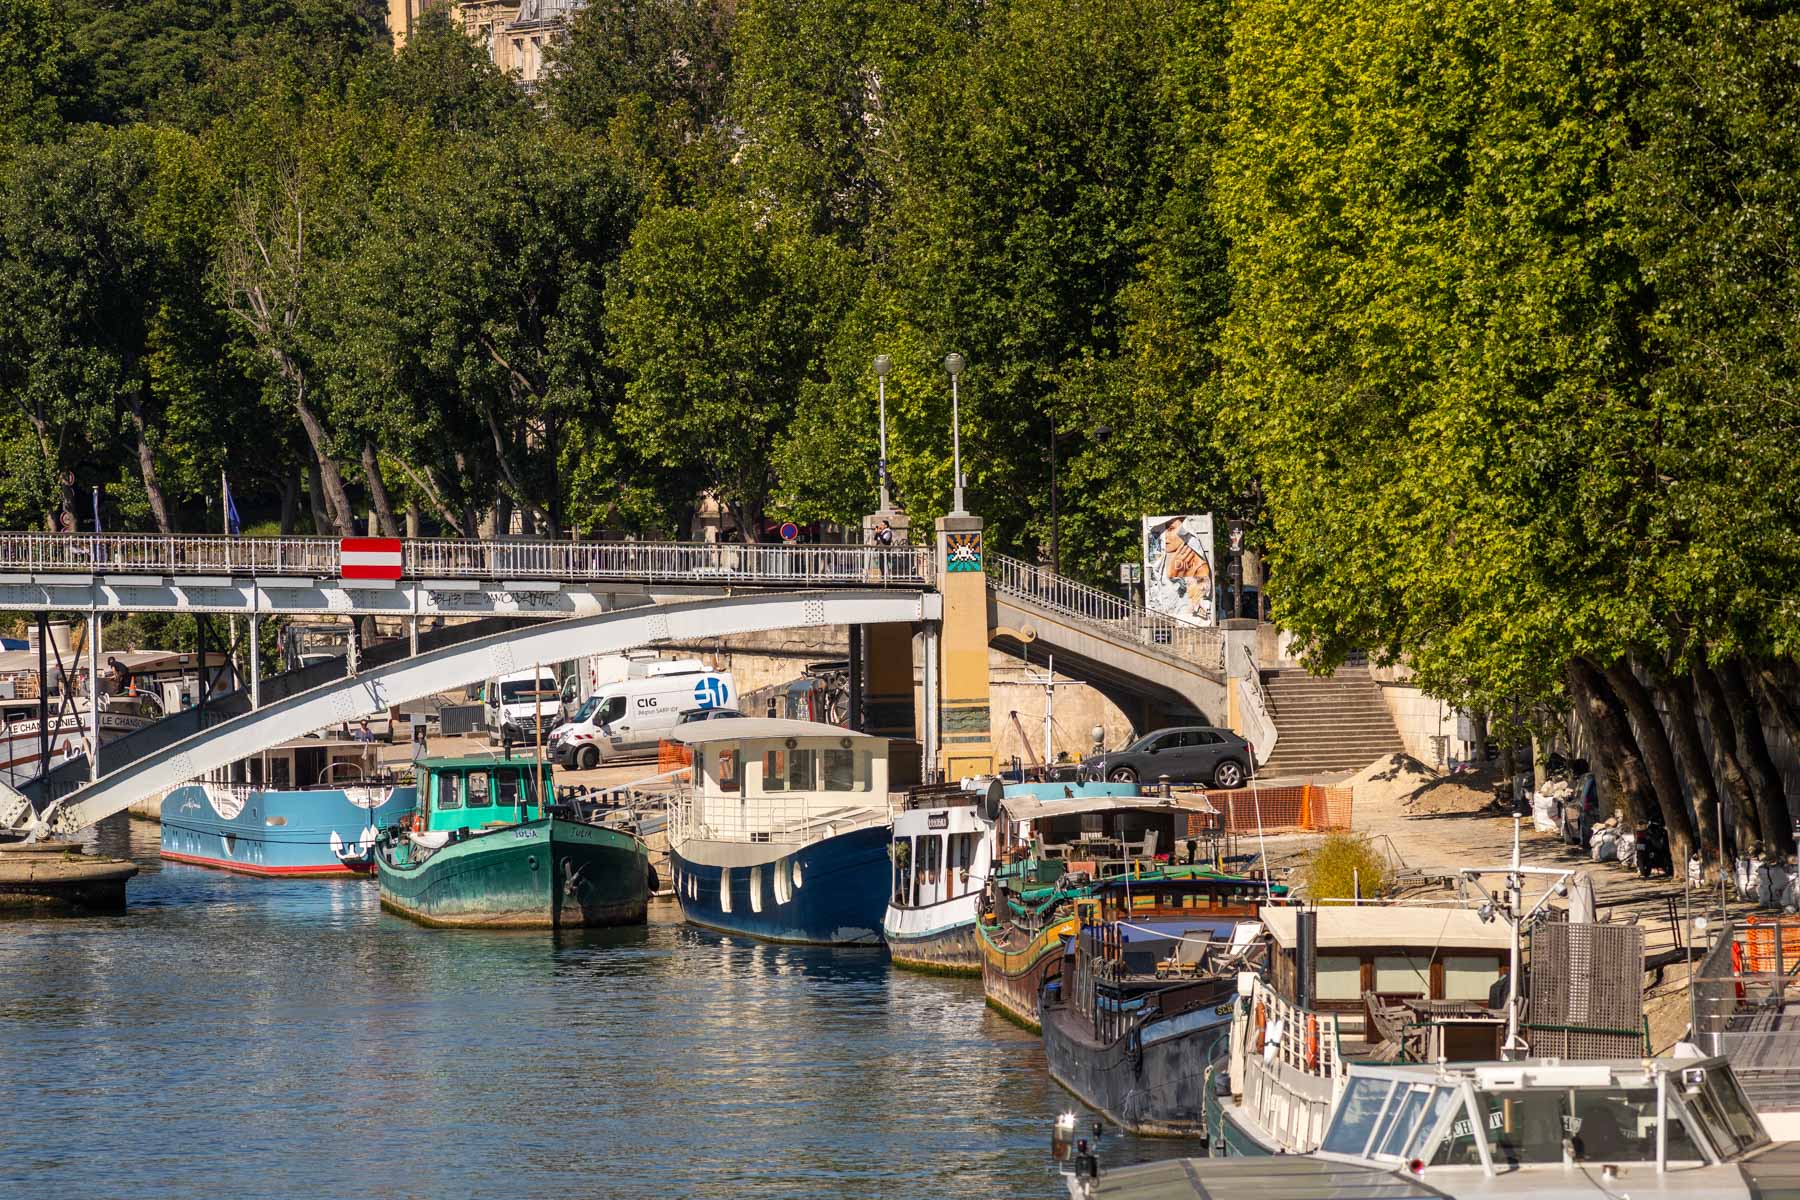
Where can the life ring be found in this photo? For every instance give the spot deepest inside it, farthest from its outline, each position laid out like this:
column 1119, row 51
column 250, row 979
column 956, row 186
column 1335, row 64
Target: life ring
column 1312, row 1042
column 1737, row 967
column 1260, row 1020
column 416, row 822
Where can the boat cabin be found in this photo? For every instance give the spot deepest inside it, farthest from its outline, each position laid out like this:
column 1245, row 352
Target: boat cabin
column 1107, row 829
column 1388, row 955
column 482, row 791
column 768, row 779
column 943, row 846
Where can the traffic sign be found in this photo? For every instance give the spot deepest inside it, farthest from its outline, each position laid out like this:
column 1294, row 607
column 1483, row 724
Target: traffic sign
column 370, row 558
column 789, row 531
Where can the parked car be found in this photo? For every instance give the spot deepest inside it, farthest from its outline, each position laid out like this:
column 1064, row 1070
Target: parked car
column 1186, row 754
column 691, row 715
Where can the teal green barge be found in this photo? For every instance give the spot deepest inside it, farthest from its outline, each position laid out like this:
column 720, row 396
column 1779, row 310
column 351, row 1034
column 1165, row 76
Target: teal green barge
column 482, row 852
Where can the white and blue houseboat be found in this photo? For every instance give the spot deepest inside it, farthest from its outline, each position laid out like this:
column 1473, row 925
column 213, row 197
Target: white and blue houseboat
column 310, row 806
column 783, row 833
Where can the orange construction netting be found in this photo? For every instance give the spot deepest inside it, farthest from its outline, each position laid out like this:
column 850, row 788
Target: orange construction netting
column 1308, row 806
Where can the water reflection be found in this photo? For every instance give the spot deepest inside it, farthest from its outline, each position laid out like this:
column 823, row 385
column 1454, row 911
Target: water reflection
column 287, row 1037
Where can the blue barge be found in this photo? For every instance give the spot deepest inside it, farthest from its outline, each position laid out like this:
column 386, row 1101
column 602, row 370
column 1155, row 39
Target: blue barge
column 783, row 833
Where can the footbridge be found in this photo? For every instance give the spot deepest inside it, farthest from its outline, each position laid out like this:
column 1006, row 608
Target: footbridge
column 571, row 599
column 455, row 666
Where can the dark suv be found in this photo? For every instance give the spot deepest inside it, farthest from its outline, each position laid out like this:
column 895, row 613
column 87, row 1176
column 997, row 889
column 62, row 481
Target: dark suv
column 1186, row 754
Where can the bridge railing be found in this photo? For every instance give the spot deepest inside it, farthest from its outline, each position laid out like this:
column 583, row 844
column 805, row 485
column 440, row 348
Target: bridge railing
column 457, row 558
column 1104, row 612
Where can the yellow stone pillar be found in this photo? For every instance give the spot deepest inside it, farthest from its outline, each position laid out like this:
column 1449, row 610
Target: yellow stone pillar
column 967, row 745
column 888, row 648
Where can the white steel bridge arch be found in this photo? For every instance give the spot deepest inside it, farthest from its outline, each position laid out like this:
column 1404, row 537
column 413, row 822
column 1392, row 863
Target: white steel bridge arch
column 469, row 662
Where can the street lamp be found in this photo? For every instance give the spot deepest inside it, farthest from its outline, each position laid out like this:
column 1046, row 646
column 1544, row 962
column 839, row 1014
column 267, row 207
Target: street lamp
column 954, row 364
column 1100, row 433
column 883, row 364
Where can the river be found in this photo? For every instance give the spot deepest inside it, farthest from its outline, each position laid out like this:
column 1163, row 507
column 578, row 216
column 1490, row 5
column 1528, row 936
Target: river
column 241, row 1037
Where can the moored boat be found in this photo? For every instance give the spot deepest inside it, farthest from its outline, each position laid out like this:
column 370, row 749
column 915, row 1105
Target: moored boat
column 943, row 849
column 1143, row 1002
column 489, row 847
column 1548, row 1129
column 1059, row 839
column 783, row 832
column 312, row 806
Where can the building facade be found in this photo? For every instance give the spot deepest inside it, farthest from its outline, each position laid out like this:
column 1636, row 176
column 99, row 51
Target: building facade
column 517, row 34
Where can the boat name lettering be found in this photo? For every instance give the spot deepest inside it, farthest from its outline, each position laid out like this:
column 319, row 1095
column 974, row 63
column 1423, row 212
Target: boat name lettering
column 523, row 835
column 938, row 820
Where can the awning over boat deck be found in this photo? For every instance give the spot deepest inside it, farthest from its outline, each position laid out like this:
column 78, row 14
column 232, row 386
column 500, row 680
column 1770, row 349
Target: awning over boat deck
column 1287, row 1177
column 1030, row 808
column 745, row 729
column 1357, row 925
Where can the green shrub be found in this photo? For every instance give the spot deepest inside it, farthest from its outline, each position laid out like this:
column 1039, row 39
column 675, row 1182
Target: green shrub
column 1341, row 864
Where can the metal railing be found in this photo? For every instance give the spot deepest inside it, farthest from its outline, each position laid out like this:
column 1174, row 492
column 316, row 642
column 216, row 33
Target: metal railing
column 458, row 558
column 1288, row 1093
column 1106, row 613
column 795, row 820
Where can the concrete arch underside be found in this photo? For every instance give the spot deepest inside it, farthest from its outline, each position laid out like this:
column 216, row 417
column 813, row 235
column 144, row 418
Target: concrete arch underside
column 1139, row 679
column 471, row 662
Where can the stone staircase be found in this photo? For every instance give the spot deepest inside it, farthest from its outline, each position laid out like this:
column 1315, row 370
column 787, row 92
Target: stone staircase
column 1328, row 723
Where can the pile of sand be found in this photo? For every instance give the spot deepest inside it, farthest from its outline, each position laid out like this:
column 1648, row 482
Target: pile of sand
column 1400, row 781
column 1388, row 781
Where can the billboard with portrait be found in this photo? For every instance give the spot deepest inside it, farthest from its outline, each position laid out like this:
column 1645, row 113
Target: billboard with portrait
column 1178, row 567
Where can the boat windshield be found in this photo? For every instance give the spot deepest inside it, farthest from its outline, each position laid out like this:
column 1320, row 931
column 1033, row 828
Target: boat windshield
column 1533, row 1126
column 1380, row 1119
column 1720, row 1105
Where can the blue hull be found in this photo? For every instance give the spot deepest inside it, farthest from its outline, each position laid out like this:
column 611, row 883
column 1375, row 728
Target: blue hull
column 328, row 831
column 837, row 898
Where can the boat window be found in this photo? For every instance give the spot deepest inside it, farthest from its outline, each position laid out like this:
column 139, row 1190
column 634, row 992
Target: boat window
column 506, row 789
column 448, row 789
column 1339, row 977
column 903, row 852
column 479, row 793
column 840, row 773
column 730, row 775
column 279, row 775
column 774, row 777
column 1469, row 977
column 1619, row 1125
column 1356, row 1115
column 1521, row 1128
column 1402, row 975
column 931, row 860
column 1720, row 1104
column 1442, row 1101
column 1402, row 1117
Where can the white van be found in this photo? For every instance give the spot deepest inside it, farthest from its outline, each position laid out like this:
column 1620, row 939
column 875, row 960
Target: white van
column 515, row 700
column 632, row 715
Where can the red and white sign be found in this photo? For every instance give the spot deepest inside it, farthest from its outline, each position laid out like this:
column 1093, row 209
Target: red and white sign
column 370, row 558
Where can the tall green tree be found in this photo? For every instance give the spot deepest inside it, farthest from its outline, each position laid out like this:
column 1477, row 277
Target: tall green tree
column 719, row 319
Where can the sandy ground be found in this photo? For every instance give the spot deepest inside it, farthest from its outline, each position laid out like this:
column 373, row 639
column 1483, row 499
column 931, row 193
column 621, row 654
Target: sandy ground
column 1431, row 826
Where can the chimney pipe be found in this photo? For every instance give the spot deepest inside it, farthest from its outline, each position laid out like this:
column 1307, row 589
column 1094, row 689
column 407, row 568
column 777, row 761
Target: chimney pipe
column 1306, row 945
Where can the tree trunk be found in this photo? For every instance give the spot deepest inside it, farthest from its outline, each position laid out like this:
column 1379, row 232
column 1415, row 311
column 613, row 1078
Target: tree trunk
column 1777, row 702
column 1731, row 768
column 1753, row 754
column 1659, row 758
column 146, row 459
column 378, row 493
column 1684, row 738
column 1615, row 749
column 290, row 502
column 315, row 495
column 331, row 481
column 1478, row 728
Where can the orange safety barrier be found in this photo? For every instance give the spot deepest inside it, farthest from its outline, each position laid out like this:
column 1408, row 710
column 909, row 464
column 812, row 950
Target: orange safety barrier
column 1306, row 806
column 671, row 756
column 1759, row 943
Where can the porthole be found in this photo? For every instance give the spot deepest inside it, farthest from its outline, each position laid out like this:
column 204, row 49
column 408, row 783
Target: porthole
column 531, row 861
column 724, row 889
column 755, row 889
column 796, row 874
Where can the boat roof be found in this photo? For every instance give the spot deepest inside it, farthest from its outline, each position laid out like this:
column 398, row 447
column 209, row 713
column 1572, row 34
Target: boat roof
column 750, row 729
column 1199, row 878
column 471, row 762
column 1029, row 808
column 1351, row 926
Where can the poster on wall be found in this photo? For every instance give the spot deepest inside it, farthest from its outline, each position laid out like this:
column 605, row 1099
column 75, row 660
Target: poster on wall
column 1178, row 567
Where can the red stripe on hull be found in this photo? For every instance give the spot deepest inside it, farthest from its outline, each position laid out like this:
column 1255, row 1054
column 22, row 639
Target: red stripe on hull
column 264, row 872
